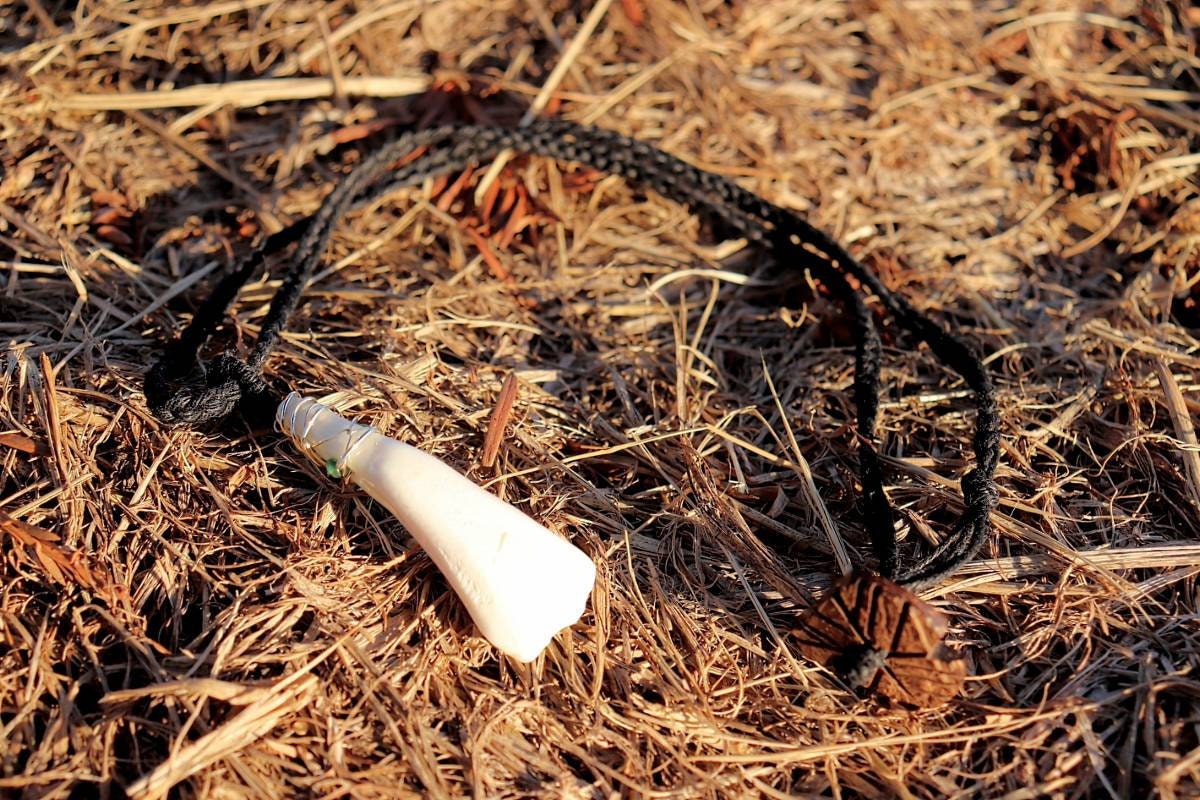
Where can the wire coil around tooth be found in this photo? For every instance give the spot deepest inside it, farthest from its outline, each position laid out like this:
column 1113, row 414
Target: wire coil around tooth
column 301, row 412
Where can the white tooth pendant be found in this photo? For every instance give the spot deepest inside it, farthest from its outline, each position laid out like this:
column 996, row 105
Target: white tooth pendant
column 521, row 583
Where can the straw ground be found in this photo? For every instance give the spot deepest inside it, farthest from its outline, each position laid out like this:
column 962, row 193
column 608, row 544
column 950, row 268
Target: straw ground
column 203, row 612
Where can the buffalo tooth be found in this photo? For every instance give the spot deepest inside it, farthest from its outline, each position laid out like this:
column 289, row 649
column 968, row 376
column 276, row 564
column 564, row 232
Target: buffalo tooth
column 520, row 582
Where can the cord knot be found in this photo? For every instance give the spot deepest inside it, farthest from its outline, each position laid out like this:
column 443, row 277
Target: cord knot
column 976, row 486
column 205, row 393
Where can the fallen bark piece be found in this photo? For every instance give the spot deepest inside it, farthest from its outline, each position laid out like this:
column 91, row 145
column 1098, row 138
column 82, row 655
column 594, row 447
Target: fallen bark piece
column 878, row 635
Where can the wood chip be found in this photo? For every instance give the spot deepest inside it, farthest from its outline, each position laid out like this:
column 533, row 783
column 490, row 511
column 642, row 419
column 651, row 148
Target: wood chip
column 499, row 420
column 17, row 441
column 880, row 636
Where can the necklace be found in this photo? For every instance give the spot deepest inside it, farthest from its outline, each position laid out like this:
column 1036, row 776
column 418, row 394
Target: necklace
column 180, row 389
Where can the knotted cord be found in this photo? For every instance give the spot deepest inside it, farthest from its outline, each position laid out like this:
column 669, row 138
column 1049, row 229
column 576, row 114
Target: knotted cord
column 181, row 389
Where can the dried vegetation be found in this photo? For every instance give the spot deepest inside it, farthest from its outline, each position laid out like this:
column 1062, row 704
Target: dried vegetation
column 204, row 610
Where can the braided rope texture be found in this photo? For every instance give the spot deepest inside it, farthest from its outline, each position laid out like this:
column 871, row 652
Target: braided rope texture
column 180, row 389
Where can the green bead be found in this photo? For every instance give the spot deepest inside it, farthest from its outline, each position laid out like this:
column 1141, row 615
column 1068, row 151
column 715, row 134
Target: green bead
column 331, row 467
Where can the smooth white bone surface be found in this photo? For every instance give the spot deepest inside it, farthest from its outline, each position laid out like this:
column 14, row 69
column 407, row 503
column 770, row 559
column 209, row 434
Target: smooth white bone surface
column 520, row 582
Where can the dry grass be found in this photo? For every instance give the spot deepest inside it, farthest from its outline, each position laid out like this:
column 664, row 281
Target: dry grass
column 204, row 610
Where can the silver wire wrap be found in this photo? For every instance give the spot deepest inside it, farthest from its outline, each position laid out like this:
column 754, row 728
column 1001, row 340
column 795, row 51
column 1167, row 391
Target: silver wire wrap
column 297, row 425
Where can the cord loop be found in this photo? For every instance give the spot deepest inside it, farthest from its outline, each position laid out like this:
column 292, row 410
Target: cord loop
column 205, row 393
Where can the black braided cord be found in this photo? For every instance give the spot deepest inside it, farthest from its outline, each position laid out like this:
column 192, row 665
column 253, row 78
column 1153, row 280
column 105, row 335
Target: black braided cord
column 180, row 389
